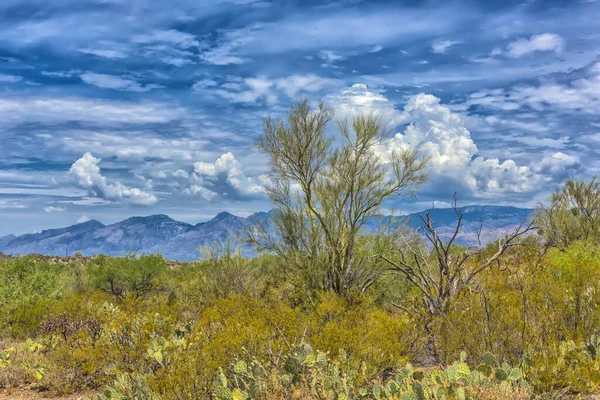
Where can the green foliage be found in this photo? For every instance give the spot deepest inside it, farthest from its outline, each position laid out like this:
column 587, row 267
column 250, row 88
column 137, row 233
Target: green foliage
column 228, row 326
column 575, row 366
column 224, row 271
column 138, row 276
column 28, row 288
column 573, row 214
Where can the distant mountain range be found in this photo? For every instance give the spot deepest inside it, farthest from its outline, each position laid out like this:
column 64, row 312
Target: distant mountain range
column 180, row 241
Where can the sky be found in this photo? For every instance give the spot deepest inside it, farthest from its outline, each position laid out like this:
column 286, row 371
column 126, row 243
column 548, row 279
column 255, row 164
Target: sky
column 115, row 108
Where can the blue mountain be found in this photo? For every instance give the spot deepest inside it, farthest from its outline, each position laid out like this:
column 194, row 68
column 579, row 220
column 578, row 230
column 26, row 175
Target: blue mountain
column 182, row 241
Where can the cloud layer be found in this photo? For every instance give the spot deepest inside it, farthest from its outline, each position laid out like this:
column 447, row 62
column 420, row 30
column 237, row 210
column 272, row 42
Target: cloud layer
column 164, row 100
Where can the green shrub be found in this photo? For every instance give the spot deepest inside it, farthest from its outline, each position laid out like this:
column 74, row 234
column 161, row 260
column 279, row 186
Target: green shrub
column 130, row 275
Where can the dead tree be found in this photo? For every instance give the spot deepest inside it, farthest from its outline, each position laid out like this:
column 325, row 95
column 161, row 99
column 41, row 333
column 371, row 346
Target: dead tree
column 439, row 271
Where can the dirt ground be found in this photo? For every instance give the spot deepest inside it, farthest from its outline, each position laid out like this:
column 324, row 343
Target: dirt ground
column 29, row 394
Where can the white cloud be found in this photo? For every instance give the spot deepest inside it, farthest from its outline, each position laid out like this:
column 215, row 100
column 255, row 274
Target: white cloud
column 455, row 161
column 51, row 209
column 382, row 26
column 224, row 176
column 4, row 78
column 181, row 174
column 582, row 94
column 433, row 128
column 115, row 82
column 359, row 99
column 61, row 74
column 223, row 53
column 112, row 54
column 176, row 61
column 171, row 36
column 87, row 201
column 82, row 219
column 557, row 164
column 44, row 109
column 230, row 167
column 88, row 176
column 199, row 190
column 5, row 204
column 331, row 56
column 442, row 46
column 133, row 146
column 204, row 84
column 250, row 90
column 542, row 42
column 294, row 84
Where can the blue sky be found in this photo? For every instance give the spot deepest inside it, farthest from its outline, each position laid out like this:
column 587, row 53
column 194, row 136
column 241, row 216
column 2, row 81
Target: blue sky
column 113, row 108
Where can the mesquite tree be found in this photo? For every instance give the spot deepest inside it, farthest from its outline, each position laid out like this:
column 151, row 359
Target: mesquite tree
column 324, row 187
column 573, row 213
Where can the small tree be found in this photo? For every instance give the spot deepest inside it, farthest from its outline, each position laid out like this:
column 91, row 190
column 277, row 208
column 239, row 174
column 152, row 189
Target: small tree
column 128, row 275
column 439, row 271
column 324, row 188
column 573, row 214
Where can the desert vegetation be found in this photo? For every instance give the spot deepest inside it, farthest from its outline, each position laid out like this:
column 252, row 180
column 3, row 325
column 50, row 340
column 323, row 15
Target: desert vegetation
column 326, row 311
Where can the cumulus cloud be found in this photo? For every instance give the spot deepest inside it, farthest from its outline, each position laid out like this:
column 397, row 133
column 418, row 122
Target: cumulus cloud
column 435, row 129
column 359, row 99
column 87, row 173
column 116, row 82
column 558, row 164
column 223, row 177
column 542, row 42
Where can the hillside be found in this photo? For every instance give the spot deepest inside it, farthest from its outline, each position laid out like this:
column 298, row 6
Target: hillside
column 180, row 241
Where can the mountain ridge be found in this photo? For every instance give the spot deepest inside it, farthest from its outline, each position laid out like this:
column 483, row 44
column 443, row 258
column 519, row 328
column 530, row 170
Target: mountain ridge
column 180, row 240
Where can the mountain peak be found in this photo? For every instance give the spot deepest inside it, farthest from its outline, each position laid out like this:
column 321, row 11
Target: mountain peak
column 159, row 217
column 91, row 223
column 156, row 218
column 222, row 216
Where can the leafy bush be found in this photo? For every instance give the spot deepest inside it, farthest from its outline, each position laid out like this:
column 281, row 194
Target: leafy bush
column 129, row 275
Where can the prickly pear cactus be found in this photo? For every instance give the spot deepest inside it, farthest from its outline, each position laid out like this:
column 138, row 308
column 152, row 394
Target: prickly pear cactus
column 328, row 379
column 5, row 357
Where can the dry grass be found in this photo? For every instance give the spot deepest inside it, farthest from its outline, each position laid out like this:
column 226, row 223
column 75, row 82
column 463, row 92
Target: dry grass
column 25, row 393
